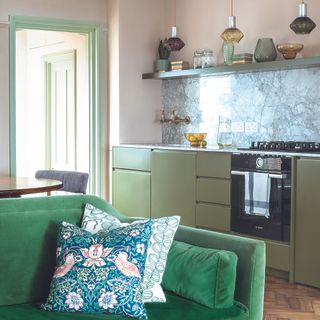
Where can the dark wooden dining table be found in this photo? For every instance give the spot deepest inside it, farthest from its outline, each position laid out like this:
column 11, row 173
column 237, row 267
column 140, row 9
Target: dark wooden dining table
column 14, row 187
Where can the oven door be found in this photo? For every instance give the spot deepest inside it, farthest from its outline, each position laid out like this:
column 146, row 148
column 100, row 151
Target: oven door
column 277, row 225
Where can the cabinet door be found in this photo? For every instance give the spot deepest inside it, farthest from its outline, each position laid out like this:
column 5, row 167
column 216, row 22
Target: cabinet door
column 307, row 257
column 173, row 185
column 131, row 192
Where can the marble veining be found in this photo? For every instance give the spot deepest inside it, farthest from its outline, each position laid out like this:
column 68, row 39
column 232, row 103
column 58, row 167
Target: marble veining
column 283, row 105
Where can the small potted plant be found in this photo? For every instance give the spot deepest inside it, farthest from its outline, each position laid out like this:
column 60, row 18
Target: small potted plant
column 164, row 51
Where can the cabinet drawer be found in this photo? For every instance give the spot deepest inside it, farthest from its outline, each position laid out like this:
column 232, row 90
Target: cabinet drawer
column 213, row 190
column 131, row 158
column 278, row 255
column 213, row 164
column 213, row 216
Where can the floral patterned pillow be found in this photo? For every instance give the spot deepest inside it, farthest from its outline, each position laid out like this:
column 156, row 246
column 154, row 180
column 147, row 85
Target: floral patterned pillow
column 163, row 230
column 100, row 273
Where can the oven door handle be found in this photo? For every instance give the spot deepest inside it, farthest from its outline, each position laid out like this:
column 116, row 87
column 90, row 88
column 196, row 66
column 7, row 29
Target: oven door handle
column 271, row 176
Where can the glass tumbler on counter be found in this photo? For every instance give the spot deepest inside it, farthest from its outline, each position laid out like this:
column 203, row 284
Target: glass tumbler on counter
column 224, row 136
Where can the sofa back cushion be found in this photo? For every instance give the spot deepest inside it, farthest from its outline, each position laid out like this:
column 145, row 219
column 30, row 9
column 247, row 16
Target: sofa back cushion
column 28, row 230
column 204, row 275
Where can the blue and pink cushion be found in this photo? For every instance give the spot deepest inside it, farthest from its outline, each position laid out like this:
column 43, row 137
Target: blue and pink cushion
column 100, row 273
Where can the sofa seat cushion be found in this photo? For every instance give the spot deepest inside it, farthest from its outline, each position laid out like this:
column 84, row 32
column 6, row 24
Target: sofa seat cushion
column 176, row 308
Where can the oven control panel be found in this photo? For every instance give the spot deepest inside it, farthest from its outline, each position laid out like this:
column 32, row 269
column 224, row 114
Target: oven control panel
column 256, row 162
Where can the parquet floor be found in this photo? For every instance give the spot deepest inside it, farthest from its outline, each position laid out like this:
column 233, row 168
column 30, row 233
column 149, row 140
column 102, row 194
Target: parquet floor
column 290, row 302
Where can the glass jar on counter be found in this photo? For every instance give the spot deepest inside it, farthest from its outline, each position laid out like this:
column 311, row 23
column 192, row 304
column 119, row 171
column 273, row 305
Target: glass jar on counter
column 224, row 134
column 197, row 59
column 208, row 59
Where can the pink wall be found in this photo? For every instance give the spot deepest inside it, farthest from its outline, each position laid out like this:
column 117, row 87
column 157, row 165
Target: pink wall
column 200, row 23
column 135, row 28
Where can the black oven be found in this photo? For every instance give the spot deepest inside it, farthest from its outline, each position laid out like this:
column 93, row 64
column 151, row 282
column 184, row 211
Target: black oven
column 276, row 224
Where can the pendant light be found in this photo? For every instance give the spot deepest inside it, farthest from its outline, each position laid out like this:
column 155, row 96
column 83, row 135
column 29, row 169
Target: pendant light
column 175, row 43
column 302, row 24
column 232, row 33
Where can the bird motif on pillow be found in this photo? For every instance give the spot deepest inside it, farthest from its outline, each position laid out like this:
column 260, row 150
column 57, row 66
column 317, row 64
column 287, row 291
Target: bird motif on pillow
column 126, row 267
column 66, row 267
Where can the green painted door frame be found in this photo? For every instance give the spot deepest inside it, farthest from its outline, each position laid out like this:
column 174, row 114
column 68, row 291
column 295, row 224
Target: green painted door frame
column 96, row 89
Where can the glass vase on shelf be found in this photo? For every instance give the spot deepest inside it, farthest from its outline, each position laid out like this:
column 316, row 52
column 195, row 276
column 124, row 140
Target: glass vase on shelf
column 265, row 50
column 228, row 51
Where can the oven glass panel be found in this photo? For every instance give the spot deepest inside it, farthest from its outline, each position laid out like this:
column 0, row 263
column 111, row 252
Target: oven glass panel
column 277, row 226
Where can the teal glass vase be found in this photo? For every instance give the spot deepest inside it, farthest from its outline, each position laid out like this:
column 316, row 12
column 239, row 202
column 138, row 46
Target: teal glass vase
column 228, row 51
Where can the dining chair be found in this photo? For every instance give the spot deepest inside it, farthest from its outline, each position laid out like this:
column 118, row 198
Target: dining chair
column 73, row 181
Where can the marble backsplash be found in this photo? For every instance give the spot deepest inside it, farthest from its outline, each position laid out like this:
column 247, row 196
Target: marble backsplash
column 273, row 105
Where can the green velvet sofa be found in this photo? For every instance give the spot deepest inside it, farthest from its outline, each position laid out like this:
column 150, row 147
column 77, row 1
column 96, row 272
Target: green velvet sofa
column 28, row 229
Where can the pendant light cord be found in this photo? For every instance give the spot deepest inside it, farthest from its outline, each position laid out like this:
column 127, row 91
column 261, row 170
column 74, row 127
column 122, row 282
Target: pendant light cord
column 231, row 7
column 175, row 13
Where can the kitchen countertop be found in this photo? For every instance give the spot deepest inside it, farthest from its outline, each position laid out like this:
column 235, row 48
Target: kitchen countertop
column 185, row 147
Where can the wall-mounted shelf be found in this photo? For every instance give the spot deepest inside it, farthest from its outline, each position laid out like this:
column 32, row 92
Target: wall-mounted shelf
column 234, row 69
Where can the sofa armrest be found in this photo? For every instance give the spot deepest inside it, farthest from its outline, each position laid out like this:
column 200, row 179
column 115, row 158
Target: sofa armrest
column 251, row 263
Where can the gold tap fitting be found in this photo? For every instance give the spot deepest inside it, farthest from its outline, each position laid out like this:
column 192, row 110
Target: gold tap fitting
column 174, row 118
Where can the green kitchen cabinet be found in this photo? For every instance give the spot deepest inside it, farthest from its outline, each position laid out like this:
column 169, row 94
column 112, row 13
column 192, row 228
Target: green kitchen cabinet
column 173, row 185
column 307, row 223
column 213, row 190
column 131, row 181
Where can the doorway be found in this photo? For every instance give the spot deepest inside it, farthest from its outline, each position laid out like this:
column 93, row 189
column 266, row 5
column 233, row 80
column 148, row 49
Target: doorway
column 55, row 98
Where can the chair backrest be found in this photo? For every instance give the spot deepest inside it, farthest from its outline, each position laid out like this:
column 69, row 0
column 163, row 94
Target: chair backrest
column 73, row 181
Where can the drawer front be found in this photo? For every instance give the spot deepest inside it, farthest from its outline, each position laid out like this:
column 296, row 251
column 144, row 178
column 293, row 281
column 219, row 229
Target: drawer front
column 278, row 256
column 131, row 158
column 213, row 164
column 213, row 190
column 213, row 217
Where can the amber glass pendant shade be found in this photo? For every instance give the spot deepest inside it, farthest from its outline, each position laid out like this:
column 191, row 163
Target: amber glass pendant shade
column 232, row 33
column 302, row 24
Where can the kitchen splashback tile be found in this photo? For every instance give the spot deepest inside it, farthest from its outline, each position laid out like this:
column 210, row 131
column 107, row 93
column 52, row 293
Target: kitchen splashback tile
column 284, row 104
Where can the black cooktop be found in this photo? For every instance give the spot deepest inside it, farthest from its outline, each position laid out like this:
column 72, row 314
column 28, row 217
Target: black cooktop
column 287, row 146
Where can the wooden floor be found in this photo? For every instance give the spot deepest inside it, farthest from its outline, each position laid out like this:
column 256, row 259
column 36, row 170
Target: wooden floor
column 290, row 302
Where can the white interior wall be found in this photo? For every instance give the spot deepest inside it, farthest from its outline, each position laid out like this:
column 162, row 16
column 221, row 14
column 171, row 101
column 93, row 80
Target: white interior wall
column 94, row 11
column 32, row 47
